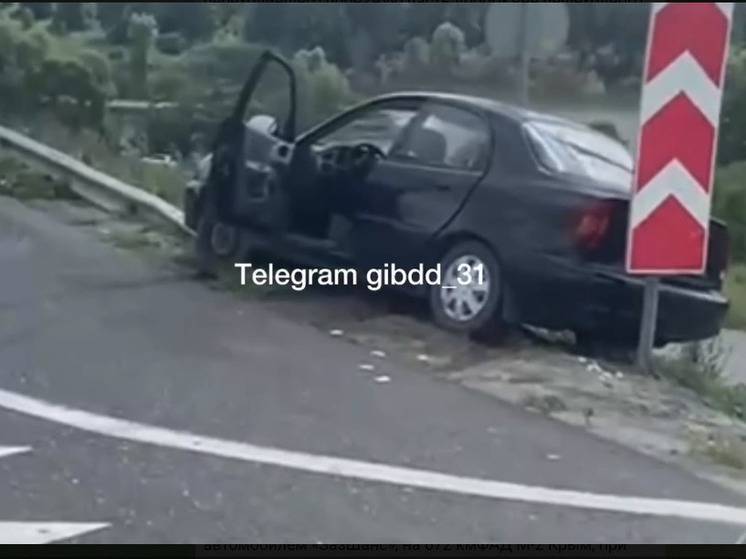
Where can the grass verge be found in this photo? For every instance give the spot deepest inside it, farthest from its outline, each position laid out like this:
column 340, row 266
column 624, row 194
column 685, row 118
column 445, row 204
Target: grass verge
column 735, row 288
column 704, row 377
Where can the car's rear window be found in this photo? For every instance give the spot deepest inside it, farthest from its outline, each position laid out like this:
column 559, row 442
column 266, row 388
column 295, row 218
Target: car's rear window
column 565, row 148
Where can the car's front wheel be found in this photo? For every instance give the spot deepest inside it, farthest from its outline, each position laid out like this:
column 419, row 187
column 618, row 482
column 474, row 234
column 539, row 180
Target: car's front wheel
column 216, row 242
column 470, row 294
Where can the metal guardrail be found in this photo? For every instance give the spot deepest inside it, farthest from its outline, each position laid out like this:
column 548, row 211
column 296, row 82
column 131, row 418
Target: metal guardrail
column 97, row 187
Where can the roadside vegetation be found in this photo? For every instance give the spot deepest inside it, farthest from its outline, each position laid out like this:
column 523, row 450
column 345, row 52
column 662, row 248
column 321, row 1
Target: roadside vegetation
column 735, row 287
column 703, row 374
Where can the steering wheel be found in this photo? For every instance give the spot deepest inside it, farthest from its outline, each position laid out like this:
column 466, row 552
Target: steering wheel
column 364, row 154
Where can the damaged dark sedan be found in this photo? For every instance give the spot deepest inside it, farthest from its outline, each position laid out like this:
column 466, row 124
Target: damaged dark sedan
column 538, row 203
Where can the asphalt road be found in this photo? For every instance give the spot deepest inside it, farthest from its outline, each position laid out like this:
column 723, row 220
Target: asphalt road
column 100, row 330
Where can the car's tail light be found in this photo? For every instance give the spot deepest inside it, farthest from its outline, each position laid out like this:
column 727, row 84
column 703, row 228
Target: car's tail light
column 593, row 225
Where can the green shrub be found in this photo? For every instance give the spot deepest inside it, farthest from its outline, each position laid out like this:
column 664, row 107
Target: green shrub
column 73, row 16
column 69, row 88
column 25, row 16
column 99, row 67
column 168, row 129
column 732, row 145
column 40, row 10
column 171, row 43
column 447, row 46
column 323, row 88
column 230, row 60
column 170, row 84
column 32, row 50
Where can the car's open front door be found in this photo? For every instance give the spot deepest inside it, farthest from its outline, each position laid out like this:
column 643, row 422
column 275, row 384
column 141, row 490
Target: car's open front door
column 251, row 155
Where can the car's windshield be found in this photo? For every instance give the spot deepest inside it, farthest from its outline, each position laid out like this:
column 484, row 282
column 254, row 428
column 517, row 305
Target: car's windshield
column 568, row 148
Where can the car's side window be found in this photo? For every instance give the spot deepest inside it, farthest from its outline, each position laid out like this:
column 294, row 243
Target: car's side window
column 381, row 126
column 448, row 137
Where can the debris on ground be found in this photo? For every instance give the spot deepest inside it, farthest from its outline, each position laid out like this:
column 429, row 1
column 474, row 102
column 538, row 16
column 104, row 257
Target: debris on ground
column 659, row 417
column 654, row 416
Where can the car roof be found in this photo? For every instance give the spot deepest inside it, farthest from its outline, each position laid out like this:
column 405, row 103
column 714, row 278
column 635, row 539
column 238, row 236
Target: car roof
column 490, row 105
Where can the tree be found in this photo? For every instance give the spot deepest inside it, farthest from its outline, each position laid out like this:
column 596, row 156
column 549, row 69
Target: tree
column 732, row 144
column 469, row 17
column 68, row 88
column 447, row 46
column 110, row 14
column 143, row 30
column 421, row 18
column 25, row 16
column 73, row 16
column 41, row 10
column 618, row 28
column 292, row 27
column 194, row 20
column 377, row 28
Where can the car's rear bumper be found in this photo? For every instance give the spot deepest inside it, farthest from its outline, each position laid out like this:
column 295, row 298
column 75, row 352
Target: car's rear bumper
column 561, row 295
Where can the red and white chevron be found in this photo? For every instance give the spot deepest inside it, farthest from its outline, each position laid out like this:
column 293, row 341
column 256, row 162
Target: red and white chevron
column 679, row 118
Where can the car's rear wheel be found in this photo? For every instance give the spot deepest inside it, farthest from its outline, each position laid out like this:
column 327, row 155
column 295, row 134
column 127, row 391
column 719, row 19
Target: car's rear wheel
column 470, row 294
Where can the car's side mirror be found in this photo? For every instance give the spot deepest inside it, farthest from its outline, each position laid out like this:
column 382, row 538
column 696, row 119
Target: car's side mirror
column 263, row 123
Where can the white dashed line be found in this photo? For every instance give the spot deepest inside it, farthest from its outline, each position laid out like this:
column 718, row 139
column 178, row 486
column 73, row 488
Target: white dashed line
column 40, row 532
column 17, row 533
column 10, row 450
column 368, row 471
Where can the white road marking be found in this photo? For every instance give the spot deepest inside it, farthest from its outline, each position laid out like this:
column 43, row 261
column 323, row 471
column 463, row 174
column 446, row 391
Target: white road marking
column 368, row 471
column 43, row 532
column 40, row 532
column 10, row 450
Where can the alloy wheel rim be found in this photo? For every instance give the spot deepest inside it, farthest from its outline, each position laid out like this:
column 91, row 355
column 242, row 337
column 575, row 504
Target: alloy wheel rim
column 465, row 289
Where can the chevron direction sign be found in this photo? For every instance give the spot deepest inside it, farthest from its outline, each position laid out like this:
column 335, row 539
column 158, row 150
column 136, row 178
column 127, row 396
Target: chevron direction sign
column 680, row 113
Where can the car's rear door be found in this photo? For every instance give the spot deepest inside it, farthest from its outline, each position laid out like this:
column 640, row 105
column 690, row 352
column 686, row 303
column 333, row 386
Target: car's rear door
column 421, row 185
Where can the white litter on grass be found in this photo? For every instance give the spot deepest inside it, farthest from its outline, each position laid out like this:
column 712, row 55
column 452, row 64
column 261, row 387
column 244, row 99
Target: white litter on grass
column 366, row 367
column 553, row 457
column 422, row 358
column 378, row 353
column 336, row 333
column 594, row 367
column 382, row 379
column 607, row 379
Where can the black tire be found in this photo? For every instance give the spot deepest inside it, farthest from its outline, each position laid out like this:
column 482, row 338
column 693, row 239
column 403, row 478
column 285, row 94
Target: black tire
column 488, row 320
column 208, row 259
